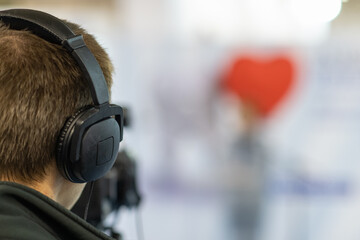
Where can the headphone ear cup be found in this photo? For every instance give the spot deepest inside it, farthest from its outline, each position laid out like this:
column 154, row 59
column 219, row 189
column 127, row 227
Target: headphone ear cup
column 88, row 145
column 99, row 149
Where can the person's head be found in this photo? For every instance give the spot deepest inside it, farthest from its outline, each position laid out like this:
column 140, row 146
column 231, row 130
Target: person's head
column 41, row 87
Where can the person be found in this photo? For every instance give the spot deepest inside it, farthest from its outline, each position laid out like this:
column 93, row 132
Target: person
column 42, row 85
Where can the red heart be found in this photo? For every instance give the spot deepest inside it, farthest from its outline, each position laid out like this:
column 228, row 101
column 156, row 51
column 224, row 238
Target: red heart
column 263, row 83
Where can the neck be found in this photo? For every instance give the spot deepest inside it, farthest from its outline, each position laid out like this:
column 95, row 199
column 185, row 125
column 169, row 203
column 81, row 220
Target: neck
column 54, row 186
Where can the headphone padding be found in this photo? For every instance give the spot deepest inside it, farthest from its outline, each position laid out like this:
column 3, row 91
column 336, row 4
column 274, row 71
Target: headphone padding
column 60, row 161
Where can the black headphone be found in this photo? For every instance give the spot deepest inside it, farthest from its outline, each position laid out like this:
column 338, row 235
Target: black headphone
column 89, row 141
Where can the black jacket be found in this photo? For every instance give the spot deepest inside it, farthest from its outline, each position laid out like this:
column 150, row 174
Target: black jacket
column 28, row 214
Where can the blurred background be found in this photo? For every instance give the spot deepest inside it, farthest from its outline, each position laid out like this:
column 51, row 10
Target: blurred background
column 245, row 114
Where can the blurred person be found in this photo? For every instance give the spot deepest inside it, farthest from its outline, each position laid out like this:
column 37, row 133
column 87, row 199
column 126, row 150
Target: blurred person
column 42, row 89
column 258, row 86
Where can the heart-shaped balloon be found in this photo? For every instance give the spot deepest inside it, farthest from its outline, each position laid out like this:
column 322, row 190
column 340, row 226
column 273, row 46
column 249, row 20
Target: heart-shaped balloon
column 261, row 82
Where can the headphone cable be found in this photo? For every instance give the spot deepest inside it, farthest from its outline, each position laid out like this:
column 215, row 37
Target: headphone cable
column 88, row 201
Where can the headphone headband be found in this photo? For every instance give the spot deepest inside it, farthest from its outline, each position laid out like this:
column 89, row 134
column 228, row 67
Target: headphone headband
column 55, row 31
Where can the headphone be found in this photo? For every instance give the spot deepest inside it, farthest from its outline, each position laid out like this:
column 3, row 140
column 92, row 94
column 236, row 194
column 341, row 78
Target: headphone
column 88, row 143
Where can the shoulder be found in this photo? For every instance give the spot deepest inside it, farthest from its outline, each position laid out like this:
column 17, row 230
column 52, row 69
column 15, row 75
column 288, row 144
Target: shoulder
column 27, row 214
column 21, row 228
